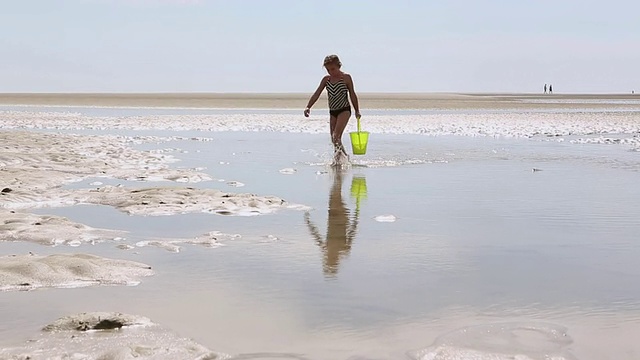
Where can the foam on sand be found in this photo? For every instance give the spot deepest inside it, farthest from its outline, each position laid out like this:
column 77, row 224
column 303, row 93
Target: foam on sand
column 209, row 240
column 517, row 123
column 181, row 200
column 27, row 272
column 108, row 336
column 50, row 230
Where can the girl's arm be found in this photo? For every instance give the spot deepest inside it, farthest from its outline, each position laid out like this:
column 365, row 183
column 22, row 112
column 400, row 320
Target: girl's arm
column 352, row 94
column 316, row 95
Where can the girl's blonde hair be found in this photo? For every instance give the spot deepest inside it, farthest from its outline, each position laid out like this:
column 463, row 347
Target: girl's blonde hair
column 332, row 59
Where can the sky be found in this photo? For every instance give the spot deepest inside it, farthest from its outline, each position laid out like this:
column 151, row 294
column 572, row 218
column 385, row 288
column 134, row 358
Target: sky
column 578, row 46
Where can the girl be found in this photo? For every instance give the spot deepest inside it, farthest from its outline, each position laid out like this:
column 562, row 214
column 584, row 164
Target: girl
column 338, row 84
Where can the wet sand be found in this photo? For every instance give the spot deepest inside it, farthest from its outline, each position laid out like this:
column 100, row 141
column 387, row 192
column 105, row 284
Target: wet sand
column 451, row 101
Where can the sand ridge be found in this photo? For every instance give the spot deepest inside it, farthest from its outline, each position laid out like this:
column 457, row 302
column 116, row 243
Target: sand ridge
column 28, row 272
column 210, row 240
column 157, row 201
column 50, row 230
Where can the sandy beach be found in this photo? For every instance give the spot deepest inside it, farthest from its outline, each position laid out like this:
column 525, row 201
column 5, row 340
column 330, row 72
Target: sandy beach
column 212, row 226
column 451, row 101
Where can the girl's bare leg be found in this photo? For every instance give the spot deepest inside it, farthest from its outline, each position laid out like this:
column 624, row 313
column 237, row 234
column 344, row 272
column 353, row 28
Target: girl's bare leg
column 336, row 134
column 332, row 126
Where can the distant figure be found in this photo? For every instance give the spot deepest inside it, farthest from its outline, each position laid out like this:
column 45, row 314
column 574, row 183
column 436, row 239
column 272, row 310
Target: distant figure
column 340, row 88
column 341, row 229
column 632, row 92
column 550, row 89
column 545, row 88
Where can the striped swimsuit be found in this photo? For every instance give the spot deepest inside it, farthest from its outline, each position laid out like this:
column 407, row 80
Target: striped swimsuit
column 338, row 97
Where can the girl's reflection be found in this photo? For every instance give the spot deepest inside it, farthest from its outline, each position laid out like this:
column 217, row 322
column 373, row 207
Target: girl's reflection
column 341, row 229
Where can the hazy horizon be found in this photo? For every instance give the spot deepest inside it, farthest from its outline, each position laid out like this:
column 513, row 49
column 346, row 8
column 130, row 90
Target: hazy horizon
column 307, row 93
column 404, row 46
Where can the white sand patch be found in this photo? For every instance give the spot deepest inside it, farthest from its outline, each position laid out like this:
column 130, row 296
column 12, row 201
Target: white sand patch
column 108, row 336
column 181, row 200
column 27, row 272
column 515, row 123
column 211, row 240
column 50, row 230
column 166, row 245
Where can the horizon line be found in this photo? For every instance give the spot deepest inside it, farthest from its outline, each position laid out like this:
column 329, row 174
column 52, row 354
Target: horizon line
column 302, row 93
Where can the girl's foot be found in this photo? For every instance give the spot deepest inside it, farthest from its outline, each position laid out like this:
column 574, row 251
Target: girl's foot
column 340, row 156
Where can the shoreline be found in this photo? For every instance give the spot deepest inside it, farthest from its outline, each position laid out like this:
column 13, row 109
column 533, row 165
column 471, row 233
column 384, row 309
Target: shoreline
column 299, row 100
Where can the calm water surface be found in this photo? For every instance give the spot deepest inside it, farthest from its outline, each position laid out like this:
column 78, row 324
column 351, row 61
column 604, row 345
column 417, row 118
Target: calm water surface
column 480, row 238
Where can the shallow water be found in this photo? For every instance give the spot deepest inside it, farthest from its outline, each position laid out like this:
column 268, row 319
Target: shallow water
column 532, row 233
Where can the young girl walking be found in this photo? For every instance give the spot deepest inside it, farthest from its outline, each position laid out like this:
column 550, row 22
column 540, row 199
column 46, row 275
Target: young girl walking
column 339, row 87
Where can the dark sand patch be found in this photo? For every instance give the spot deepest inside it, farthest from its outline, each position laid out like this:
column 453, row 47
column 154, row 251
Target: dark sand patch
column 108, row 336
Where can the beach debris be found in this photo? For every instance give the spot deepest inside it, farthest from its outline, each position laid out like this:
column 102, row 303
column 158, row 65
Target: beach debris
column 288, row 171
column 235, row 183
column 535, row 170
column 386, row 218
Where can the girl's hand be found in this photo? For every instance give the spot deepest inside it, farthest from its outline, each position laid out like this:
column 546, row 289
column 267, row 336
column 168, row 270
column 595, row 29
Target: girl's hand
column 358, row 116
column 306, row 112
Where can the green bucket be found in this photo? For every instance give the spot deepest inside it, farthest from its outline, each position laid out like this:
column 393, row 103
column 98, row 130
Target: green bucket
column 359, row 140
